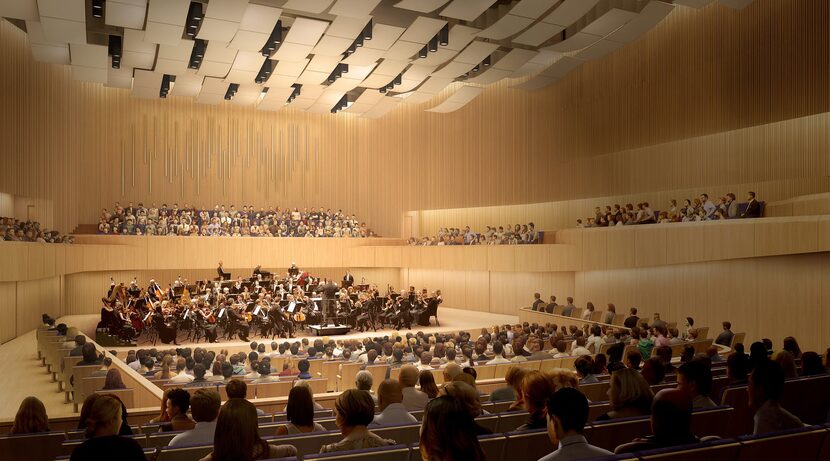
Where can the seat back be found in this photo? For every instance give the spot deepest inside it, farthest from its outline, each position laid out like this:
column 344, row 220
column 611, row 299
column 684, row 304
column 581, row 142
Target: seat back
column 613, row 433
column 501, row 369
column 597, row 392
column 275, row 389
column 511, row 420
column 408, row 433
column 486, row 372
column 391, row 453
column 183, row 453
column 737, row 338
column 595, row 409
column 308, row 444
column 801, row 443
column 813, row 410
column 329, row 372
column 532, row 444
column 127, row 396
column 568, row 363
column 738, row 398
column 722, row 450
column 378, row 375
column 550, row 364
column 490, row 422
column 712, row 421
column 438, row 376
column 493, row 446
column 347, row 375
column 32, row 446
column 160, row 439
column 703, row 333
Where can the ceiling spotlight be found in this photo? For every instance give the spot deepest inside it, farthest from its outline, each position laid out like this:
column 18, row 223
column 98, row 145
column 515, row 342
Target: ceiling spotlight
column 487, row 61
column 344, row 68
column 97, row 8
column 475, row 69
column 273, row 40
column 398, row 79
column 231, row 92
column 114, row 50
column 165, row 86
column 444, row 35
column 382, row 90
column 423, row 52
column 433, row 44
column 367, row 31
column 195, row 14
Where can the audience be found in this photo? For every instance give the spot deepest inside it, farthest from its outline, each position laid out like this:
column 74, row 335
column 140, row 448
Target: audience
column 354, row 410
column 178, row 402
column 448, row 433
column 468, row 395
column 237, row 436
column 695, row 378
column 513, row 235
column 86, row 410
column 204, row 406
column 671, row 423
column 300, row 413
column 567, row 412
column 392, row 411
column 103, row 423
column 413, row 399
column 113, row 380
column 30, row 418
column 766, row 385
column 629, row 394
column 13, row 230
column 189, row 221
column 426, row 380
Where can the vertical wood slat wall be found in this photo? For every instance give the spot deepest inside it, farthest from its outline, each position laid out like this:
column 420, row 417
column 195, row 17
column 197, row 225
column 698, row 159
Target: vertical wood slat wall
column 698, row 73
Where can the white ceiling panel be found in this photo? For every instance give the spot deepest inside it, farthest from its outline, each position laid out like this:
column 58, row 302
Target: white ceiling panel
column 542, row 60
column 359, row 72
column 575, row 42
column 354, row 8
column 357, row 108
column 275, row 98
column 138, row 60
column 417, row 97
column 421, row 6
column 309, row 6
column 180, row 52
column 369, row 97
column 290, row 68
column 320, row 63
column 505, row 27
column 453, row 70
column 306, row 31
column 599, row 49
column 19, row 9
column 217, row 29
column 434, row 85
column 461, row 36
column 248, row 60
column 736, row 4
column 466, row 10
column 214, row 69
column 219, row 52
column 241, row 76
column 459, row 99
column 71, row 10
column 280, row 81
column 383, row 107
column 292, row 52
column 535, row 83
column 569, row 11
column 409, row 84
column 403, row 50
column 170, row 66
column 422, row 30
column 364, row 56
column 514, row 59
column 161, row 33
column 383, row 36
column 650, row 16
column 168, row 12
column 260, row 18
column 538, row 33
column 214, row 86
column 330, row 45
column 345, row 84
column 390, row 67
column 349, row 27
column 245, row 40
column 438, row 57
column 489, row 76
column 228, row 10
column 134, row 41
column 311, row 92
column 119, row 78
column 147, row 79
column 36, row 35
column 52, row 53
column 301, row 104
column 377, row 80
column 476, row 52
column 187, row 84
column 88, row 55
column 562, row 67
column 319, row 108
column 612, row 20
column 310, row 77
column 532, row 8
column 63, row 31
column 126, row 13
column 247, row 95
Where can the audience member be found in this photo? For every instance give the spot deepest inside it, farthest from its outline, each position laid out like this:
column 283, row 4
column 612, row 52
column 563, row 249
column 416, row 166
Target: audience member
column 392, row 411
column 426, row 380
column 725, row 337
column 30, row 418
column 354, row 410
column 695, row 378
column 237, row 436
column 413, row 399
column 629, row 394
column 300, row 413
column 468, row 396
column 103, row 423
column 671, row 423
column 766, row 386
column 113, row 380
column 204, row 406
column 178, row 402
column 448, row 433
column 567, row 412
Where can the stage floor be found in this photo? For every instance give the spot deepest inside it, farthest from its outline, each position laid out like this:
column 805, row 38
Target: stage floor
column 28, row 378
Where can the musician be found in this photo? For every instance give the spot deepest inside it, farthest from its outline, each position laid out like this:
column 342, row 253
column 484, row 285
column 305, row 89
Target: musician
column 293, row 271
column 261, row 274
column 239, row 324
column 348, row 279
column 166, row 323
column 280, row 322
column 329, row 289
column 222, row 274
column 154, row 290
column 207, row 321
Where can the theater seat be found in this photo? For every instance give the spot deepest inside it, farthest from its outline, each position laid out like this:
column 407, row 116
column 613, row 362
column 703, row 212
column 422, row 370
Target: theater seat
column 719, row 450
column 307, row 444
column 531, row 444
column 812, row 410
column 738, row 398
column 712, row 421
column 391, row 453
column 34, row 446
column 406, row 433
column 611, row 434
column 492, row 445
column 510, row 420
column 796, row 444
column 183, row 453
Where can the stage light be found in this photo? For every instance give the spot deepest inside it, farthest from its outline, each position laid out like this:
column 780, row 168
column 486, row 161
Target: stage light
column 367, row 31
column 433, row 44
column 382, row 90
column 398, row 79
column 195, row 14
column 114, row 50
column 165, row 86
column 444, row 35
column 423, row 52
column 487, row 61
column 97, row 8
column 273, row 40
column 231, row 92
column 198, row 52
column 475, row 69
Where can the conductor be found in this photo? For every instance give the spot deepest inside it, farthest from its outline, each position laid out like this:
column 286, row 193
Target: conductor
column 329, row 289
column 222, row 274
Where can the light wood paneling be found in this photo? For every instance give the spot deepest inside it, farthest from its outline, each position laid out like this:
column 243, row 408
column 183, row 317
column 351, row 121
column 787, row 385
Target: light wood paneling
column 8, row 312
column 36, row 297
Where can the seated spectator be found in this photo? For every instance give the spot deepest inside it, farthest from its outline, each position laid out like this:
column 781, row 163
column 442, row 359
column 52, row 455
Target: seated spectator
column 413, row 399
column 766, row 385
column 560, row 350
column 165, row 373
column 580, row 348
column 664, row 354
column 86, row 409
column 646, row 344
column 737, row 369
column 448, row 432
column 468, row 396
column 787, row 362
column 811, row 364
column 354, row 410
column 630, row 395
column 237, row 436
column 725, row 337
column 512, row 391
column 584, row 368
column 791, row 346
column 671, row 423
column 237, row 389
column 181, row 376
column 30, row 418
column 300, row 413
column 392, row 411
column 695, row 378
column 103, row 424
column 113, row 380
column 426, row 381
column 204, row 406
column 567, row 413
column 633, row 358
column 536, row 388
column 498, row 351
column 265, row 374
column 304, row 366
column 537, row 302
column 178, row 402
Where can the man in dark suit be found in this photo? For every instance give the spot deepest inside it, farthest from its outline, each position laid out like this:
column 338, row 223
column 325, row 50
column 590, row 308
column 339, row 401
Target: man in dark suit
column 537, row 302
column 725, row 337
column 222, row 274
column 753, row 208
column 329, row 289
column 631, row 320
column 348, row 279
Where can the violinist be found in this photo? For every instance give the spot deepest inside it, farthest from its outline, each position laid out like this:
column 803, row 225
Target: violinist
column 207, row 321
column 239, row 324
column 281, row 323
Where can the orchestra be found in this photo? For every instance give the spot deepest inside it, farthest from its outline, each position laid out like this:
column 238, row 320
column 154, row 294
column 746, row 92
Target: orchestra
column 264, row 304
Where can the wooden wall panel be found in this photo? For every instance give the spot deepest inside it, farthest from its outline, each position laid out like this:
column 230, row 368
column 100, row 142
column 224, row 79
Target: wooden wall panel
column 795, row 235
column 8, row 311
column 35, row 297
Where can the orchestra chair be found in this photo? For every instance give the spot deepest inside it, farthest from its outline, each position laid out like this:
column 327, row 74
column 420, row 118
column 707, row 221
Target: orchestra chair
column 404, row 433
column 716, row 450
column 702, row 332
column 493, row 446
column 42, row 333
column 127, row 396
column 801, row 443
column 390, row 453
column 596, row 316
column 44, row 446
column 532, row 444
column 737, row 338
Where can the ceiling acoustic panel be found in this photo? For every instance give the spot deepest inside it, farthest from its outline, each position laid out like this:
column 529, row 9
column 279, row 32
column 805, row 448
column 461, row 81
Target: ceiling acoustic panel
column 421, row 6
column 19, row 9
column 218, row 29
column 292, row 52
column 533, row 8
column 364, row 56
column 85, row 55
column 63, row 30
column 438, row 57
column 476, row 52
column 71, row 10
column 163, row 34
column 422, row 30
column 348, row 27
column 383, row 107
column 126, row 13
column 137, row 53
column 306, row 31
column 275, row 99
column 466, row 10
column 514, row 59
column 308, row 6
column 383, row 36
column 290, row 68
column 453, row 70
column 542, row 60
column 489, row 76
column 330, row 45
column 575, row 42
column 119, row 78
column 599, row 50
column 569, row 11
column 403, row 50
column 459, row 99
column 508, row 26
column 538, row 33
column 610, row 21
column 353, row 8
column 188, row 83
column 165, row 21
column 44, row 50
column 650, row 16
column 460, row 37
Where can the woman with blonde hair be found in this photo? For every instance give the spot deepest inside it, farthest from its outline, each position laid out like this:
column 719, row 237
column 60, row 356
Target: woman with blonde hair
column 514, row 378
column 165, row 368
column 468, row 396
column 103, row 424
column 535, row 390
column 237, row 436
column 630, row 395
column 30, row 418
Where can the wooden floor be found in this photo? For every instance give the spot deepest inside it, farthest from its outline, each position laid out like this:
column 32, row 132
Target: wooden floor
column 28, row 378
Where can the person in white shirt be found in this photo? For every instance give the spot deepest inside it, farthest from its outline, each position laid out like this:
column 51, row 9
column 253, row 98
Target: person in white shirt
column 265, row 375
column 595, row 340
column 580, row 348
column 204, row 405
column 392, row 411
column 560, row 350
column 426, row 360
column 498, row 349
column 181, row 377
column 413, row 399
column 567, row 415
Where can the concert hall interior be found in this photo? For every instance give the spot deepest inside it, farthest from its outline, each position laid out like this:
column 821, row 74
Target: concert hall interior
column 556, row 223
